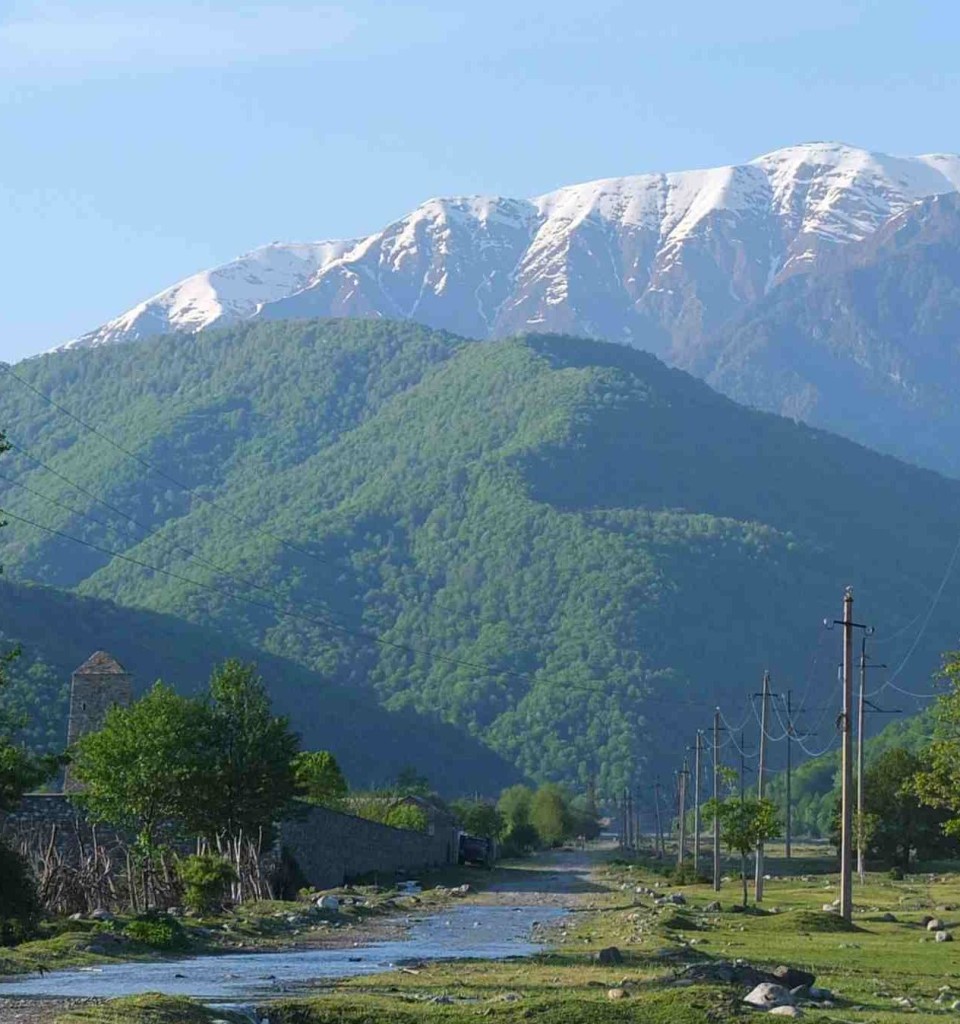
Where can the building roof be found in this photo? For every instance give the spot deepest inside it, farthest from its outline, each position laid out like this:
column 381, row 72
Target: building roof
column 100, row 663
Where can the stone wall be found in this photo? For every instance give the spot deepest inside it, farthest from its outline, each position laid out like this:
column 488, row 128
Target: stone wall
column 328, row 848
column 331, row 848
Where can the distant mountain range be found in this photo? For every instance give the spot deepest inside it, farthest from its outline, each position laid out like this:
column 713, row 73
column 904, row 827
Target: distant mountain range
column 560, row 547
column 739, row 274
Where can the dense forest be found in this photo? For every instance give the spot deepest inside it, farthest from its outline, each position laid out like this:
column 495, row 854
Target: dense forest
column 558, row 546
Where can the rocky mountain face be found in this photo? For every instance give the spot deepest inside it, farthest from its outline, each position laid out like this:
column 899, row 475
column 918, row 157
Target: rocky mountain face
column 654, row 260
column 868, row 345
column 816, row 281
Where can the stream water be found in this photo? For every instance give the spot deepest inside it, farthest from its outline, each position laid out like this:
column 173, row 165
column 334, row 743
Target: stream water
column 477, row 932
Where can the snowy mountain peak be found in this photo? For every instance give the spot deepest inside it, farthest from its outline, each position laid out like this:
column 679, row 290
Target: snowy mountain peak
column 652, row 259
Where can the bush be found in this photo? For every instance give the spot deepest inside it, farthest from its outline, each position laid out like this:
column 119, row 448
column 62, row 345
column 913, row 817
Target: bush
column 896, row 874
column 157, row 930
column 19, row 904
column 205, row 879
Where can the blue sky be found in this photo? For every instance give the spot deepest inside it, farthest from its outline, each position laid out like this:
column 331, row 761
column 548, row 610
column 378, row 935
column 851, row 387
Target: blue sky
column 144, row 141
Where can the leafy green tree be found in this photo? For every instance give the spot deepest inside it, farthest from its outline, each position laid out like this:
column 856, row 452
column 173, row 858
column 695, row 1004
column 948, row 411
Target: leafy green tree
column 480, row 817
column 408, row 816
column 19, row 769
column 550, row 814
column 387, row 808
column 318, row 779
column 410, row 782
column 937, row 783
column 744, row 824
column 249, row 776
column 144, row 768
column 514, row 804
column 901, row 823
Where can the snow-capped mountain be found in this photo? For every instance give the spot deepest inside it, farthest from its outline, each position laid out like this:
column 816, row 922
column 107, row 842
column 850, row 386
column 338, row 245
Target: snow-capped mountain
column 654, row 260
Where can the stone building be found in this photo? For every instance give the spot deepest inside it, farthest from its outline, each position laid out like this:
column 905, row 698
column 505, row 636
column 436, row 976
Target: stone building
column 95, row 687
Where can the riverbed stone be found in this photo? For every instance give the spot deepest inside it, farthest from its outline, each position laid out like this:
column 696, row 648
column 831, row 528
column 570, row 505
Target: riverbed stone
column 768, row 995
column 791, row 977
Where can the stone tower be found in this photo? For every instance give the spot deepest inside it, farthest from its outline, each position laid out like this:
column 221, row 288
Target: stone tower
column 99, row 683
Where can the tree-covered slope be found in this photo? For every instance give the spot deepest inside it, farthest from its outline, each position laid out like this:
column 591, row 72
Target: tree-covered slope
column 56, row 631
column 558, row 543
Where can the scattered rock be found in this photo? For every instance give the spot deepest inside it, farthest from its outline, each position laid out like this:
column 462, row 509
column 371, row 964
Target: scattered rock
column 829, row 908
column 713, row 908
column 925, row 920
column 821, row 995
column 888, row 917
column 328, row 903
column 609, row 956
column 934, row 925
column 943, row 936
column 75, row 917
column 791, row 977
column 102, row 915
column 786, row 1011
column 616, row 993
column 768, row 995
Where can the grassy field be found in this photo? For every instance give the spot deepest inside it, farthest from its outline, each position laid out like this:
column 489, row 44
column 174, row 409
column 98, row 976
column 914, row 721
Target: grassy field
column 879, row 970
column 868, row 966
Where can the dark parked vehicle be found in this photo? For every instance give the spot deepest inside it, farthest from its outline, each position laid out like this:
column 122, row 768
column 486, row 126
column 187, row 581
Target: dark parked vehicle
column 476, row 850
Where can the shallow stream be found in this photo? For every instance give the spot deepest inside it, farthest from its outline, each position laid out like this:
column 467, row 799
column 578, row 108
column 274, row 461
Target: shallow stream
column 476, row 932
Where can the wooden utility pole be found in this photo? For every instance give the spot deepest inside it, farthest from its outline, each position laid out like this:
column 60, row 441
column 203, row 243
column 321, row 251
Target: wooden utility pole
column 696, row 802
column 861, row 868
column 682, row 795
column 716, row 798
column 636, row 817
column 846, row 762
column 765, row 697
column 789, row 815
column 743, row 766
column 656, row 804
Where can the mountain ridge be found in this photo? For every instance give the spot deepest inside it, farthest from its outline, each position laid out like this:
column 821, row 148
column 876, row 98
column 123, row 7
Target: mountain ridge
column 547, row 533
column 653, row 260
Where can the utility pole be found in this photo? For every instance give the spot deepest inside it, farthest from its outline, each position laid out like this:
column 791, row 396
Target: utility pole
column 861, row 867
column 846, row 811
column 682, row 793
column 636, row 817
column 863, row 705
column 696, row 801
column 716, row 798
column 789, row 815
column 656, row 804
column 743, row 766
column 765, row 695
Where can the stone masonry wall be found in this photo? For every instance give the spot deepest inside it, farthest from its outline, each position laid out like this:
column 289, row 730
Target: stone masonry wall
column 329, row 848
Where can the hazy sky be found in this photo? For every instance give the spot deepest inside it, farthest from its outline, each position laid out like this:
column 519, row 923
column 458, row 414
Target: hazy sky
column 144, row 141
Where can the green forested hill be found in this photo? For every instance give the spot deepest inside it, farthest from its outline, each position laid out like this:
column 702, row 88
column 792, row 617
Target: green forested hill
column 57, row 631
column 568, row 550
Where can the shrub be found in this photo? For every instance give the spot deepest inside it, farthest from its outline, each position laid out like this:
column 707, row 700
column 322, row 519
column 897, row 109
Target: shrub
column 19, row 904
column 157, row 930
column 896, row 874
column 407, row 816
column 205, row 879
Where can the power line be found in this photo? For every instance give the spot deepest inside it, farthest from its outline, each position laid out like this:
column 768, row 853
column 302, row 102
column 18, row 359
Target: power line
column 154, row 469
